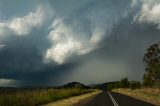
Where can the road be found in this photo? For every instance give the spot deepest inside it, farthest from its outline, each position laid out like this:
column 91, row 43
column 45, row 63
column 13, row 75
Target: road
column 106, row 98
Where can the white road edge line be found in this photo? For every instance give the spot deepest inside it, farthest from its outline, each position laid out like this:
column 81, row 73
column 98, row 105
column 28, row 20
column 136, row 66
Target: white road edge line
column 113, row 100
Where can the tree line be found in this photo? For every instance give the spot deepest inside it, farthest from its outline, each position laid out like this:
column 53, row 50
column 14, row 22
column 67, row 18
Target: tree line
column 124, row 83
column 151, row 77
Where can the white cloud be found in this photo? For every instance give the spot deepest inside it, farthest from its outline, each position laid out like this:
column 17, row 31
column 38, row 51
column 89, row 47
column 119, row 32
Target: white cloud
column 66, row 44
column 23, row 25
column 73, row 39
column 7, row 82
column 78, row 34
column 134, row 3
column 149, row 13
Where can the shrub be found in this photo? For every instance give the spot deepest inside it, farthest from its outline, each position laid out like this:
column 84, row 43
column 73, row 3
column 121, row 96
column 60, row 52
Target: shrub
column 118, row 85
column 110, row 86
column 135, row 85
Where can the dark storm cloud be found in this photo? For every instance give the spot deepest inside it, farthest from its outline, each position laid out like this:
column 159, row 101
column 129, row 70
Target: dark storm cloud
column 80, row 31
column 44, row 43
column 121, row 54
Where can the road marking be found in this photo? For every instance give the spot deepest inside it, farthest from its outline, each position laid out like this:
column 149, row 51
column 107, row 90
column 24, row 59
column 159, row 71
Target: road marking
column 113, row 100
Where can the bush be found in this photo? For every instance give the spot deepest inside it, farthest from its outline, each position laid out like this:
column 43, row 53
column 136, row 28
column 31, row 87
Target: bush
column 110, row 86
column 118, row 85
column 135, row 85
column 114, row 85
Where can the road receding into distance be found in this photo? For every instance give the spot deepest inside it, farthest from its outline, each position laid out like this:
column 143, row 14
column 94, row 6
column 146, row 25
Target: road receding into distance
column 106, row 98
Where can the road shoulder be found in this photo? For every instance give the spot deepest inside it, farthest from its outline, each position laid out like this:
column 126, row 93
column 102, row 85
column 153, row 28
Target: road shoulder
column 141, row 94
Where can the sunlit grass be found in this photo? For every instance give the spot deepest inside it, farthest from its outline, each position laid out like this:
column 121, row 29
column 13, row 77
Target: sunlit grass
column 38, row 96
column 151, row 95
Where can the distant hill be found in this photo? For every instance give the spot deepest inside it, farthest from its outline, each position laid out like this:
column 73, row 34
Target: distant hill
column 102, row 86
column 75, row 84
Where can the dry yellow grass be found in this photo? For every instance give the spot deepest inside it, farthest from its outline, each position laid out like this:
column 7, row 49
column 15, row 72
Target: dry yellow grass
column 72, row 100
column 34, row 97
column 151, row 95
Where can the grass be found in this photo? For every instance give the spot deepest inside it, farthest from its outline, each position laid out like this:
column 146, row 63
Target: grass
column 33, row 97
column 151, row 95
column 73, row 101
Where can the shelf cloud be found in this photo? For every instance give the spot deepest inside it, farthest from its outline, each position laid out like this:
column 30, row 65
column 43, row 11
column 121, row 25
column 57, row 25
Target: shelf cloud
column 51, row 42
column 81, row 32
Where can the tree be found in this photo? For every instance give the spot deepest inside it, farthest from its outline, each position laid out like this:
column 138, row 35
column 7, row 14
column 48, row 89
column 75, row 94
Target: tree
column 147, row 80
column 125, row 83
column 152, row 60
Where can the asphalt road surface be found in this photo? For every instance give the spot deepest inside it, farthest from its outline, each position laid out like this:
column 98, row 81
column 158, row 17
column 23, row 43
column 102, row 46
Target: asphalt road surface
column 106, row 98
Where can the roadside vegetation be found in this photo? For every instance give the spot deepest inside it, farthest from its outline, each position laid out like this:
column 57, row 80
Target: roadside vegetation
column 32, row 97
column 73, row 101
column 124, row 83
column 149, row 89
column 150, row 95
column 151, row 77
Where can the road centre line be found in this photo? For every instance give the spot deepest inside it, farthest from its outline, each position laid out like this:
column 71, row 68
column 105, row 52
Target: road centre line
column 113, row 100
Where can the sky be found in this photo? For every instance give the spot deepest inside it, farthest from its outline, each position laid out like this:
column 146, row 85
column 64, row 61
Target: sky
column 53, row 42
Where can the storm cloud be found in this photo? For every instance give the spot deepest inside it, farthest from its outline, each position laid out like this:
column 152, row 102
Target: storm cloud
column 45, row 43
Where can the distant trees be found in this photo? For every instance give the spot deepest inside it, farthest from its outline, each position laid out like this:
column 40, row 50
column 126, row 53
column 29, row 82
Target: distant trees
column 152, row 60
column 151, row 77
column 124, row 83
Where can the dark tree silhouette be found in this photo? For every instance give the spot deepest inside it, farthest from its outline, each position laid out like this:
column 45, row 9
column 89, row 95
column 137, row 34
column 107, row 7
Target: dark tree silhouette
column 152, row 60
column 125, row 83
